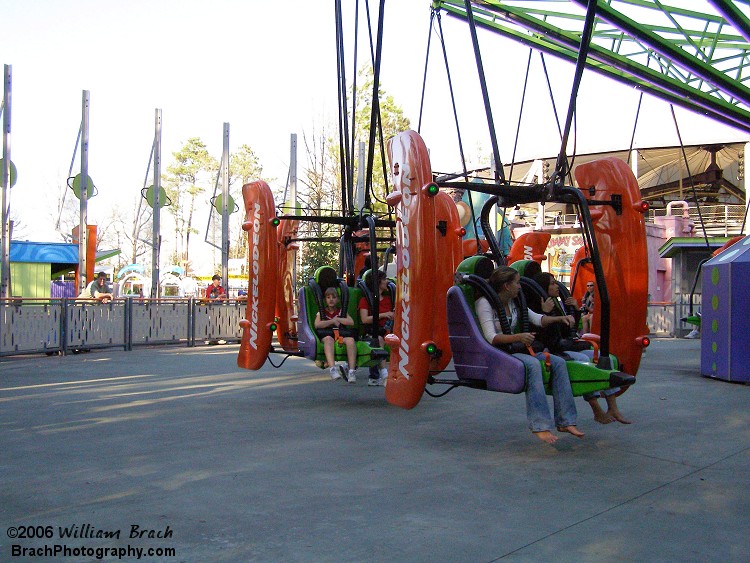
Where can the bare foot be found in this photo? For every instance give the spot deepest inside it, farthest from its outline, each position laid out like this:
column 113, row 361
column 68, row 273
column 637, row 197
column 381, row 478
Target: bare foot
column 614, row 411
column 546, row 436
column 603, row 418
column 571, row 430
column 599, row 415
column 616, row 415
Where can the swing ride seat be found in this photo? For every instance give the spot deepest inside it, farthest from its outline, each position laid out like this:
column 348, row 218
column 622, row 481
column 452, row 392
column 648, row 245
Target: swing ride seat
column 692, row 319
column 310, row 300
column 476, row 359
column 585, row 377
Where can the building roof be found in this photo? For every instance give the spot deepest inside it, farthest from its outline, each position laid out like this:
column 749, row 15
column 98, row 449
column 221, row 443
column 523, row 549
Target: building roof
column 678, row 244
column 51, row 252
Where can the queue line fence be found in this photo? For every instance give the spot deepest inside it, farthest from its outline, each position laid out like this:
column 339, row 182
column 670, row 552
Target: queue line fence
column 38, row 326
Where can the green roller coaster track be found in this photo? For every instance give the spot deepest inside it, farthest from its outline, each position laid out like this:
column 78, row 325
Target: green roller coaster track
column 694, row 59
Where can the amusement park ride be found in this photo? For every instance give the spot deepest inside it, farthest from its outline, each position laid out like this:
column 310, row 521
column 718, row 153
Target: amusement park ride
column 435, row 282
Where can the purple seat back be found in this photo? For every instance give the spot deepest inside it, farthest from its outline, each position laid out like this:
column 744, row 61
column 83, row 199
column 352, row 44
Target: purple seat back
column 473, row 357
column 305, row 338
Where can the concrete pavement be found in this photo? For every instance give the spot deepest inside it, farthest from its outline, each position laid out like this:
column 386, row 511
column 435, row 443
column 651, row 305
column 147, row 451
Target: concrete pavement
column 285, row 465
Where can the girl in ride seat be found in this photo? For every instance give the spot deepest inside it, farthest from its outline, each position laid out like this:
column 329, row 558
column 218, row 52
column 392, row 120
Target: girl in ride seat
column 379, row 374
column 507, row 283
column 560, row 342
column 331, row 327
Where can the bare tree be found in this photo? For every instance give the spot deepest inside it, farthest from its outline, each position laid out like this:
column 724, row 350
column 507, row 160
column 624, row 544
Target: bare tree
column 319, row 196
column 68, row 213
column 19, row 228
column 131, row 236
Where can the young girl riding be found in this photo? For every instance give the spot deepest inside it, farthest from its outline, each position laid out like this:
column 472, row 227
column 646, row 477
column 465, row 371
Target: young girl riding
column 332, row 328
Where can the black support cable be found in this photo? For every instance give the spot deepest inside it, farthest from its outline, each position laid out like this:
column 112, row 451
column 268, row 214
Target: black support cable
column 551, row 94
column 381, row 139
column 458, row 128
column 561, row 167
column 453, row 97
column 635, row 126
column 375, row 99
column 343, row 129
column 690, row 176
column 424, row 76
column 568, row 166
column 499, row 173
column 354, row 107
column 520, row 115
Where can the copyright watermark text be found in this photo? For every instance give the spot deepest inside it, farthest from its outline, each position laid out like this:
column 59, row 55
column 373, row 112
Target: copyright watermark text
column 72, row 546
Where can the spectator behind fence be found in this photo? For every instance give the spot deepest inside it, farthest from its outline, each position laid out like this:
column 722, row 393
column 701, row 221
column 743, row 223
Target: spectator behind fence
column 98, row 289
column 215, row 291
column 587, row 308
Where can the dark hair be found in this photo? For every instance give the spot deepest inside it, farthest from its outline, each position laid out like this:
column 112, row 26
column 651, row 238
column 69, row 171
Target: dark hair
column 380, row 276
column 544, row 279
column 101, row 275
column 216, row 277
column 532, row 269
column 501, row 276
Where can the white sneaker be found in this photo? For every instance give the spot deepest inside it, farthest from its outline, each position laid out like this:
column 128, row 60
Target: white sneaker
column 335, row 373
column 383, row 373
column 351, row 377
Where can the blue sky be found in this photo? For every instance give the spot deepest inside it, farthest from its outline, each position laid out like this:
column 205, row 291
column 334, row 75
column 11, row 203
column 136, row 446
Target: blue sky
column 267, row 68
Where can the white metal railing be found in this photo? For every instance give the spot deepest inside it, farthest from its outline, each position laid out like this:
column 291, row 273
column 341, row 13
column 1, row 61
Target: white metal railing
column 720, row 220
column 33, row 326
column 665, row 318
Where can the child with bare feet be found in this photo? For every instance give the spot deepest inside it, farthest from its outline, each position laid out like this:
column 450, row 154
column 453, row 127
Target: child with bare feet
column 507, row 283
column 332, row 326
column 613, row 412
column 551, row 286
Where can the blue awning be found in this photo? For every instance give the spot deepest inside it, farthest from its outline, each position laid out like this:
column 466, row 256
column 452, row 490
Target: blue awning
column 50, row 252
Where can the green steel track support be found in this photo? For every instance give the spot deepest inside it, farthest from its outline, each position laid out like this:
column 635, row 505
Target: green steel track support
column 700, row 61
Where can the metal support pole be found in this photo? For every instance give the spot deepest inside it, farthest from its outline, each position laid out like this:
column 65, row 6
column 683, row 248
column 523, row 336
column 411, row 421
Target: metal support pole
column 156, row 240
column 5, row 259
column 293, row 194
column 83, row 237
column 225, row 211
column 293, row 174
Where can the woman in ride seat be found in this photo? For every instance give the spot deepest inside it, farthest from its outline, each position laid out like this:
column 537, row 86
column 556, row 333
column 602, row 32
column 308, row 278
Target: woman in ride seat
column 507, row 283
column 560, row 342
column 332, row 327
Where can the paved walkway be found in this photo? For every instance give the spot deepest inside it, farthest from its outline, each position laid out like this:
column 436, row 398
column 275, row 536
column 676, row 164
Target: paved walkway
column 285, row 465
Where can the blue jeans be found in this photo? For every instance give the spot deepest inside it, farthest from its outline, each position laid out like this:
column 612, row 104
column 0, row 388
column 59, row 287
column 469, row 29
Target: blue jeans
column 587, row 356
column 537, row 408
